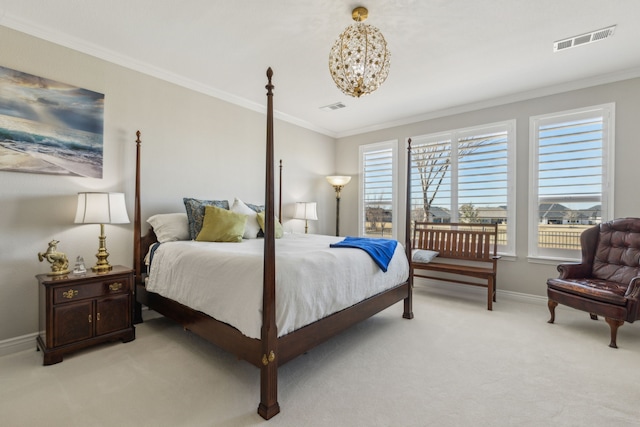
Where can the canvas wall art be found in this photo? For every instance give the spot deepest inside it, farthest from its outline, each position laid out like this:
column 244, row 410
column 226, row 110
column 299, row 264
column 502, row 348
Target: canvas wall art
column 49, row 127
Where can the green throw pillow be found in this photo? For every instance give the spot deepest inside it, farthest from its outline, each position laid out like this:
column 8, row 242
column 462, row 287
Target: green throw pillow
column 221, row 225
column 279, row 230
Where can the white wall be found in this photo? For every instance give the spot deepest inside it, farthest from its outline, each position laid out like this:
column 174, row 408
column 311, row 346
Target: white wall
column 193, row 146
column 518, row 275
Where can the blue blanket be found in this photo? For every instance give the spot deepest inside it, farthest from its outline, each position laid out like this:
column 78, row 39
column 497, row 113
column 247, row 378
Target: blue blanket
column 381, row 250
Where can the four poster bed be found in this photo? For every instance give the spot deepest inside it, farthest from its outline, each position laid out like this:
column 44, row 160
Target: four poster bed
column 264, row 346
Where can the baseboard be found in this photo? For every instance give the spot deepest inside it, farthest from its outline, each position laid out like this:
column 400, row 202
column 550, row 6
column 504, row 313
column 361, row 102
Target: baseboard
column 451, row 289
column 17, row 344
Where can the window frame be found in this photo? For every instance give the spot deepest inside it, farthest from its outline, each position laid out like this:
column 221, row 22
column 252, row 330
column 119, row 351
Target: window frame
column 367, row 148
column 455, row 136
column 607, row 112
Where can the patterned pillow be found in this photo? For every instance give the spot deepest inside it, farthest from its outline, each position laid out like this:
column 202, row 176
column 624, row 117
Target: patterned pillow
column 195, row 212
column 255, row 208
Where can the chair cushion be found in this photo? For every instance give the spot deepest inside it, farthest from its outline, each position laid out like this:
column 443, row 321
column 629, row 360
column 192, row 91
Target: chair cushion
column 596, row 289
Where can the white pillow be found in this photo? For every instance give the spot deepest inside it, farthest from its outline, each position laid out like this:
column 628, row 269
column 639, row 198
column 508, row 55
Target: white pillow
column 170, row 227
column 251, row 227
column 423, row 255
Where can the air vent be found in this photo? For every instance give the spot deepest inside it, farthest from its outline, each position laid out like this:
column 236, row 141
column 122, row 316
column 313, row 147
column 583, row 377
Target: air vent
column 583, row 39
column 331, row 107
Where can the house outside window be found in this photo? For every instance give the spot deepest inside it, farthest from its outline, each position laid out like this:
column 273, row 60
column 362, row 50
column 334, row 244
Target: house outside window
column 377, row 199
column 571, row 183
column 467, row 176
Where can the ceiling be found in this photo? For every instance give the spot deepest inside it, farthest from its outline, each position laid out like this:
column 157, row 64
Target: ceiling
column 447, row 56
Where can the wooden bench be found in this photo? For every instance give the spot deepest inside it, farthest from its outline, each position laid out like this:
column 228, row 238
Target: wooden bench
column 463, row 250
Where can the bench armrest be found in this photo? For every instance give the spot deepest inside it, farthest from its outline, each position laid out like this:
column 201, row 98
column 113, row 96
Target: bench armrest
column 574, row 270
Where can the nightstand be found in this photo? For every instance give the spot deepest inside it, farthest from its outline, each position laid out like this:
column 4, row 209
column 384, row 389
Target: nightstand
column 78, row 311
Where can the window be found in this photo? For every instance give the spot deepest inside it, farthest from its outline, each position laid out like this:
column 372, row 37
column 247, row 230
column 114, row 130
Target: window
column 467, row 175
column 378, row 206
column 571, row 178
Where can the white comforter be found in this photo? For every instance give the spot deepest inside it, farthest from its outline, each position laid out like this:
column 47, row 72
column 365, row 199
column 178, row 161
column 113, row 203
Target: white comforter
column 224, row 280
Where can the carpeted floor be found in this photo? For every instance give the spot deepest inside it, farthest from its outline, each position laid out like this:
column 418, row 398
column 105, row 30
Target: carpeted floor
column 454, row 364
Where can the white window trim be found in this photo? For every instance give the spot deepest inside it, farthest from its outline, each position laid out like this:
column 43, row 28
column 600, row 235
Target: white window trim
column 510, row 125
column 608, row 161
column 393, row 145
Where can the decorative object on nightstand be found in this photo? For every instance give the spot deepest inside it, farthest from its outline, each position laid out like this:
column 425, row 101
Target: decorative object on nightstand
column 79, row 267
column 101, row 208
column 306, row 211
column 58, row 260
column 80, row 311
column 338, row 181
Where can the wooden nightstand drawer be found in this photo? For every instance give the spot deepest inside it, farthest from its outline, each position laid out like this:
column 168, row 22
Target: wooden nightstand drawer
column 74, row 293
column 90, row 290
column 117, row 286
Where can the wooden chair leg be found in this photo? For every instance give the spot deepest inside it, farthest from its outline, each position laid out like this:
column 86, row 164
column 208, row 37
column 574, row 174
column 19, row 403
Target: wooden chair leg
column 552, row 309
column 495, row 288
column 490, row 291
column 614, row 324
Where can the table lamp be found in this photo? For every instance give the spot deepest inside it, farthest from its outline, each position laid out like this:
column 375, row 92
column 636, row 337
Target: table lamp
column 306, row 211
column 101, row 208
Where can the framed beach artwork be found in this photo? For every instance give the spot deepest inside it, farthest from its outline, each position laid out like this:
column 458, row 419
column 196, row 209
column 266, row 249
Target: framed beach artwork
column 49, row 127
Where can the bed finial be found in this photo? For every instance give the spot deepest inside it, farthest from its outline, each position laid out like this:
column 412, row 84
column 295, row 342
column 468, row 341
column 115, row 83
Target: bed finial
column 138, row 137
column 269, row 86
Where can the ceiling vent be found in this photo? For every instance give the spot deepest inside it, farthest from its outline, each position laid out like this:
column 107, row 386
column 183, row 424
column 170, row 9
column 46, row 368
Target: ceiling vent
column 583, row 39
column 331, row 107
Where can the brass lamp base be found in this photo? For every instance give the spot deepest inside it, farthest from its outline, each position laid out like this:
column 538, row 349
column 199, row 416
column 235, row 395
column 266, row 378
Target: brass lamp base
column 102, row 266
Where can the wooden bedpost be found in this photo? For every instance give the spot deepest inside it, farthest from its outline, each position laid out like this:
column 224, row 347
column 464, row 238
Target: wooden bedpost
column 137, row 230
column 269, row 333
column 408, row 301
column 280, row 194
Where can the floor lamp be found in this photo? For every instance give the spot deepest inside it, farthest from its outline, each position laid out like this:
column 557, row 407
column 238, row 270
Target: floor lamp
column 338, row 181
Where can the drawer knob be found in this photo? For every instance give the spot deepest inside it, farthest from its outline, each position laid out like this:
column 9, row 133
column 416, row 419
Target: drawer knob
column 70, row 293
column 115, row 286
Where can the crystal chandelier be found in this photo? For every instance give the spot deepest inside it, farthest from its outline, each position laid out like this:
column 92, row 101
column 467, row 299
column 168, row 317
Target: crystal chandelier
column 359, row 60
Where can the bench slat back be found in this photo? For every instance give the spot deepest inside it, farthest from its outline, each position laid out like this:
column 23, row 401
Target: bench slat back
column 473, row 242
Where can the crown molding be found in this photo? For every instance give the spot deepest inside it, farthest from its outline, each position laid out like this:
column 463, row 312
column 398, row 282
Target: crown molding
column 507, row 99
column 79, row 45
column 99, row 52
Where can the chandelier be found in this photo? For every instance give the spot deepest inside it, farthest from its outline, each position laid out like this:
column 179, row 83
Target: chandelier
column 359, row 59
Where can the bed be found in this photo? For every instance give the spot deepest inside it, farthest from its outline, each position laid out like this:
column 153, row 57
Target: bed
column 260, row 342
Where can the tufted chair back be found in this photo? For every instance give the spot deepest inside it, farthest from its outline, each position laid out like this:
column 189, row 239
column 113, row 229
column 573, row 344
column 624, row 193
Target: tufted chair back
column 617, row 257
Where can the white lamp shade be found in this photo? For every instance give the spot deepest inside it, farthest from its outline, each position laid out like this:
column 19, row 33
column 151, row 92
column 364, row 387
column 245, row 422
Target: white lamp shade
column 306, row 210
column 338, row 180
column 101, row 208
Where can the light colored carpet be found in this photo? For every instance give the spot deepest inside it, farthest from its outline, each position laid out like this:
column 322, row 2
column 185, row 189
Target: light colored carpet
column 455, row 364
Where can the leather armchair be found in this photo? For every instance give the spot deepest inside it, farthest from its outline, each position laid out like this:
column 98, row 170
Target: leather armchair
column 607, row 280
